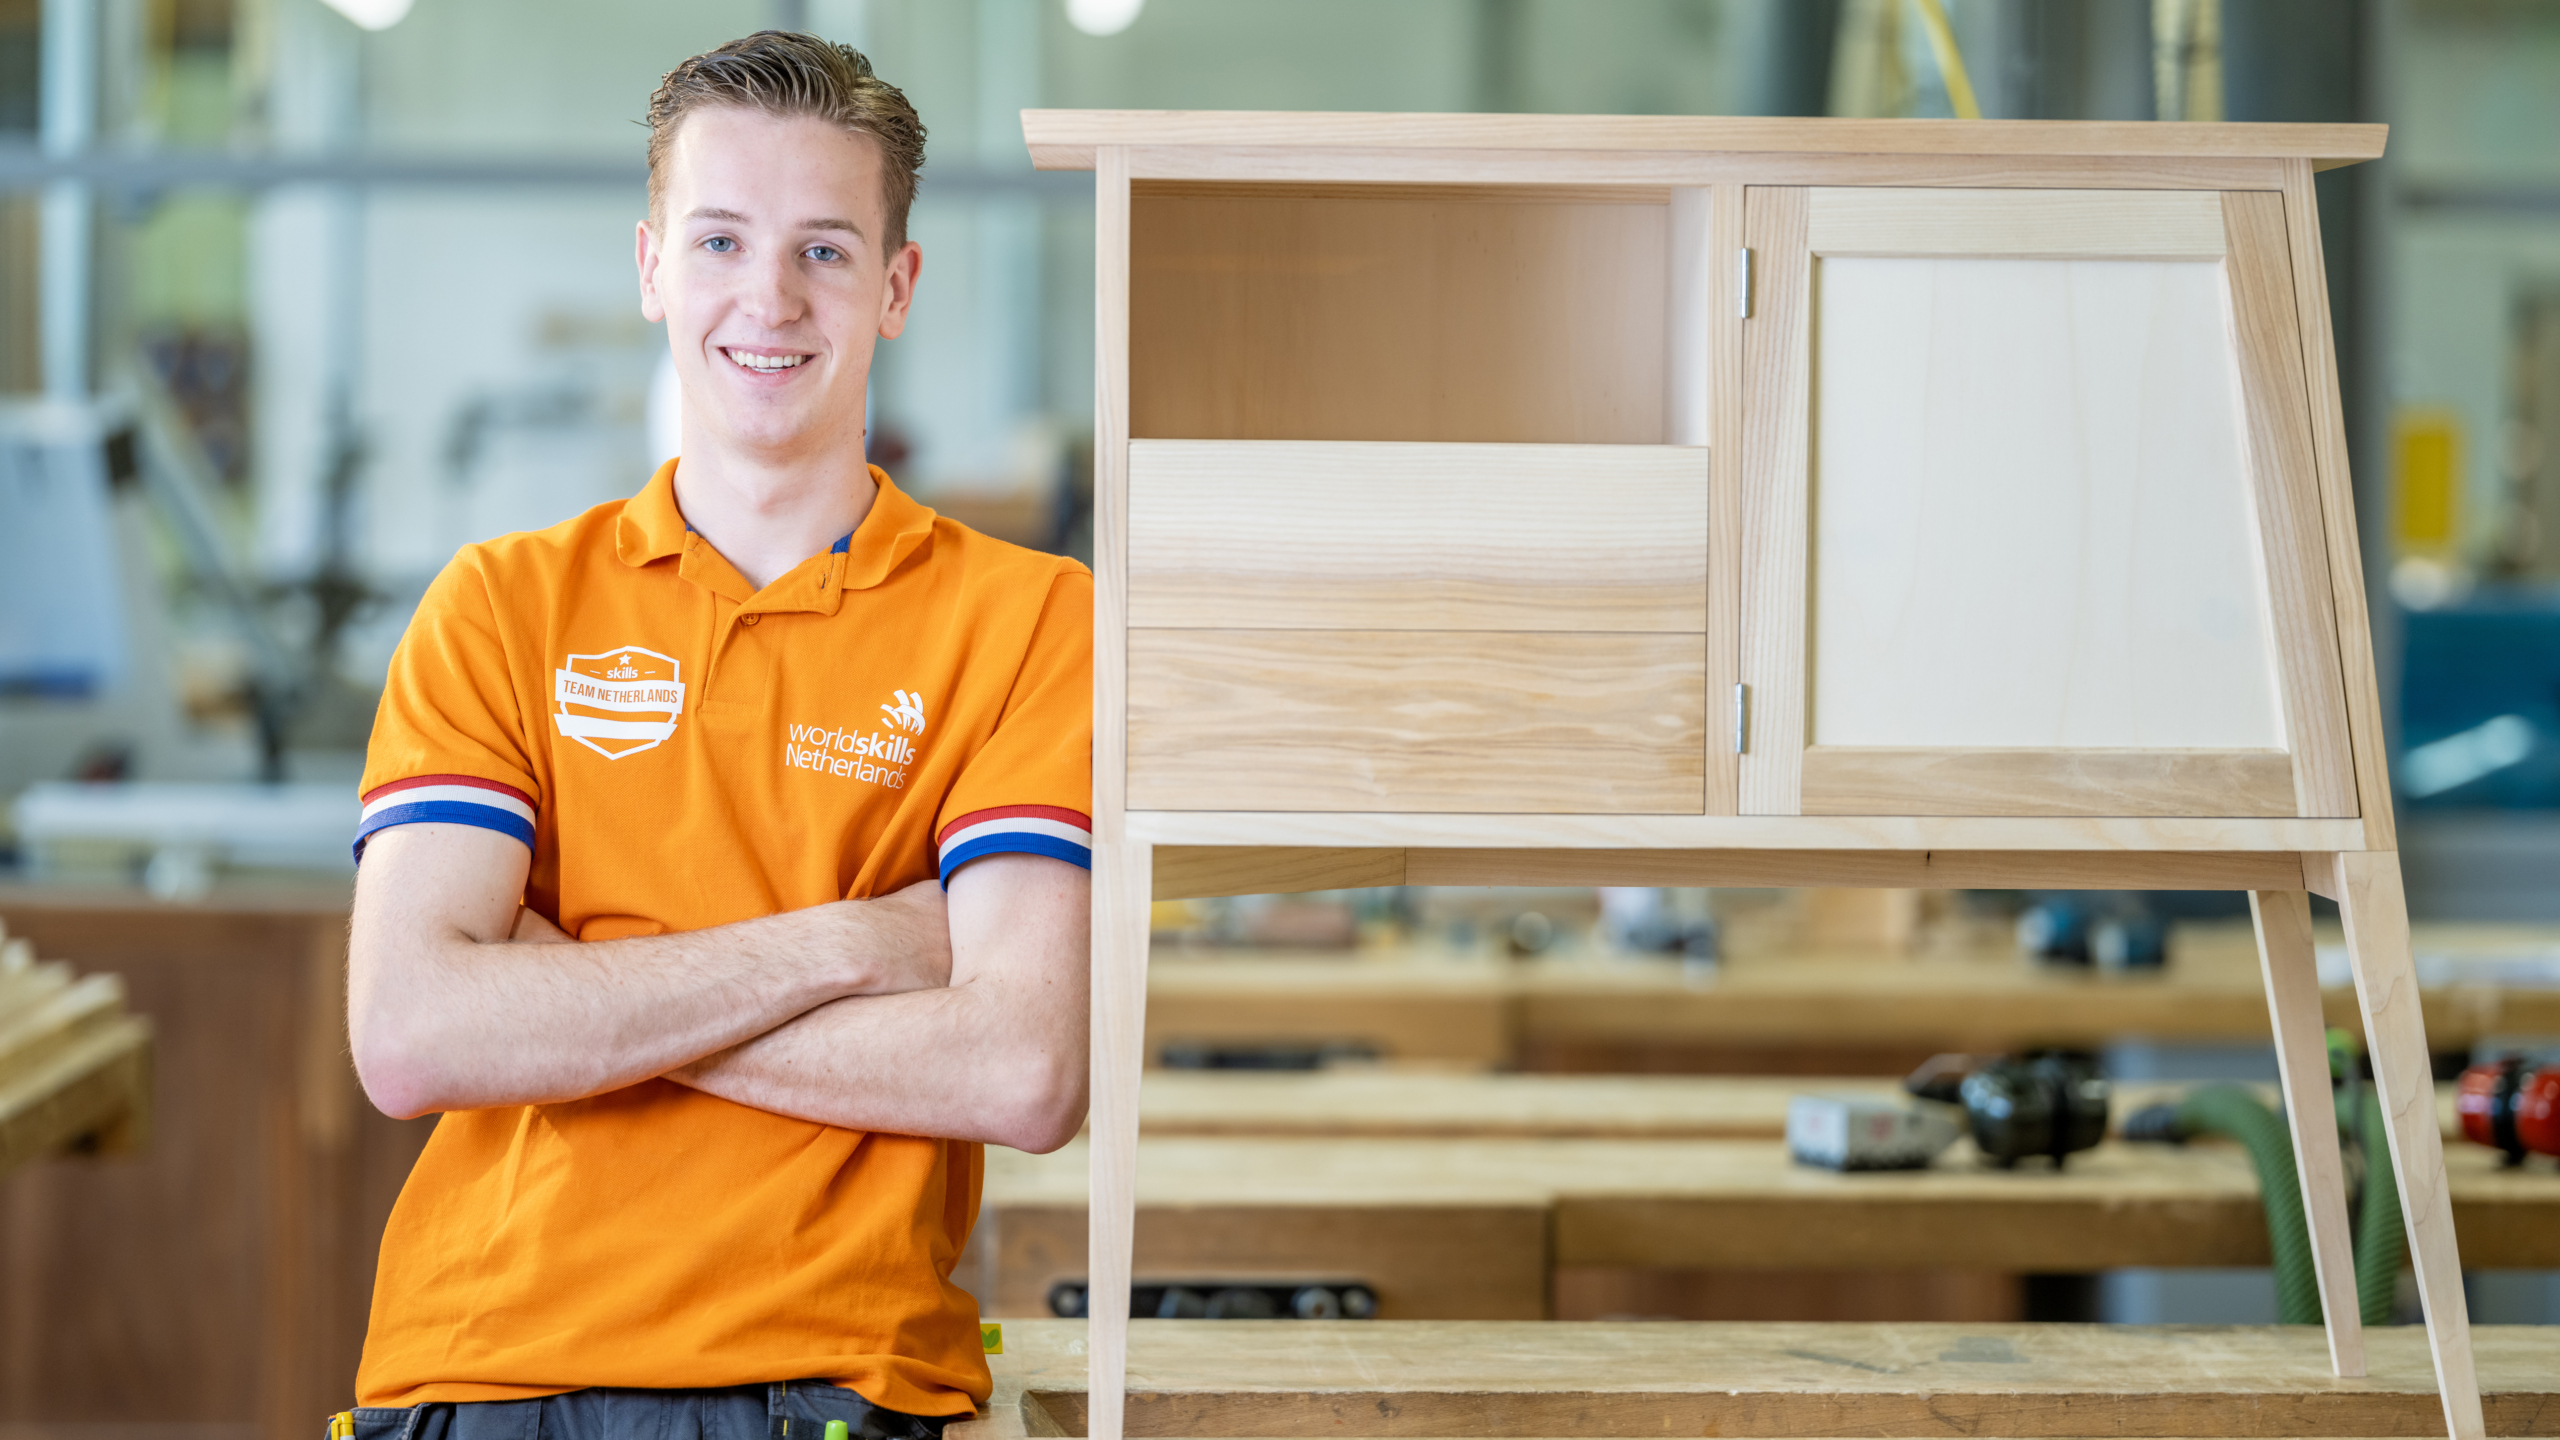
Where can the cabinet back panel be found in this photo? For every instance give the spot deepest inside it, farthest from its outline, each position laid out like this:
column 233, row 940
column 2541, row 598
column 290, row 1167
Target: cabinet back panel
column 1417, row 721
column 1331, row 316
column 2032, row 517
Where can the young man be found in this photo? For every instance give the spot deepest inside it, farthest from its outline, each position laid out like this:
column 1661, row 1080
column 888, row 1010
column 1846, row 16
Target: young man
column 722, row 864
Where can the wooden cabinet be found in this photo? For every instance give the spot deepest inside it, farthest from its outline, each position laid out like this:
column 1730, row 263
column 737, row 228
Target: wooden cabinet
column 1617, row 500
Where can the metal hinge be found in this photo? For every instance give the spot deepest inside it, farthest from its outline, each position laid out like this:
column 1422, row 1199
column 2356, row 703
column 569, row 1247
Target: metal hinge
column 1742, row 281
column 1741, row 718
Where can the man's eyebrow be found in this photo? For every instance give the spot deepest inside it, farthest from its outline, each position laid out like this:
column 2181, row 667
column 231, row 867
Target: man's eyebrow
column 846, row 226
column 709, row 214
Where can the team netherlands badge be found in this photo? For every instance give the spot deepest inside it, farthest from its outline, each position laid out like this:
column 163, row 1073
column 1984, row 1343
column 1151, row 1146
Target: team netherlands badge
column 618, row 702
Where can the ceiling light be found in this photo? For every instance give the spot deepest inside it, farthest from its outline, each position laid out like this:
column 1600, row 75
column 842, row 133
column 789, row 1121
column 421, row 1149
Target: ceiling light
column 374, row 14
column 1093, row 17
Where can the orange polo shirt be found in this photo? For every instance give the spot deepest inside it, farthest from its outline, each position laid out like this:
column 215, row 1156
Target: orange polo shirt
column 681, row 750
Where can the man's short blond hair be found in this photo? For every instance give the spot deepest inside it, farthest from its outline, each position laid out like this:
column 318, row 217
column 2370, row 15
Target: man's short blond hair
column 782, row 74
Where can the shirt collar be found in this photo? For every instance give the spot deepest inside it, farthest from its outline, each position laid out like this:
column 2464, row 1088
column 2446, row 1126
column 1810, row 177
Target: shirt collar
column 652, row 528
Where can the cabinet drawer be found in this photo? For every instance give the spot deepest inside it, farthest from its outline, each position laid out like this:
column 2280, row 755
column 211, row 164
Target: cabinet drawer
column 1485, row 722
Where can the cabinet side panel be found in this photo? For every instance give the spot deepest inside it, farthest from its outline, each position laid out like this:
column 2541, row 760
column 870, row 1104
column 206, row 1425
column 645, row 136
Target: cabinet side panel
column 1110, row 490
column 1724, row 495
column 2266, row 334
column 1416, row 721
column 2338, row 506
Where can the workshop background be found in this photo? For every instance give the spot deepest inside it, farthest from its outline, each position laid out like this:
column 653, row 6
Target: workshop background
column 297, row 297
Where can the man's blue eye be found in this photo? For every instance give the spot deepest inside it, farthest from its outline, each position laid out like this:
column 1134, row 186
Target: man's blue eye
column 825, row 253
column 720, row 244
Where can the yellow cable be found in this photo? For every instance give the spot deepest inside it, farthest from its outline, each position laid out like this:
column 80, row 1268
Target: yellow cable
column 1942, row 43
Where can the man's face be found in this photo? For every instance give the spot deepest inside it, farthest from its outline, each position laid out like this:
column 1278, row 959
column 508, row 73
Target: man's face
column 768, row 270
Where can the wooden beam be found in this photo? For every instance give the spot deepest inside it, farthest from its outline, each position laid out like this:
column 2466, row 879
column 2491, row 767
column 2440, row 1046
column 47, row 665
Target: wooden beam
column 1304, row 1378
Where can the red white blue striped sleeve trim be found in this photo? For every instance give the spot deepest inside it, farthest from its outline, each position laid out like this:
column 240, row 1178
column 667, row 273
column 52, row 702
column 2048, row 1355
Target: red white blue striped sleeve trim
column 448, row 800
column 1050, row 830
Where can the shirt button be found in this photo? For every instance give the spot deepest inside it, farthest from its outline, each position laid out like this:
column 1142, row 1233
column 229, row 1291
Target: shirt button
column 751, row 619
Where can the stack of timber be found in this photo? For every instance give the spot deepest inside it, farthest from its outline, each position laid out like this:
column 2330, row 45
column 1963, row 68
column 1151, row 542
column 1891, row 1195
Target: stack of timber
column 1384, row 1378
column 75, row 1069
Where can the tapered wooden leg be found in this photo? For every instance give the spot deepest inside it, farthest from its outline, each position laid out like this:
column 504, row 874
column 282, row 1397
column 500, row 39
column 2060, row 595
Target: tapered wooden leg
column 1123, row 875
column 2292, row 974
column 2377, row 917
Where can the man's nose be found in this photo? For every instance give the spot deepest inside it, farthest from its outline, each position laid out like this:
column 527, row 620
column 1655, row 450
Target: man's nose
column 772, row 292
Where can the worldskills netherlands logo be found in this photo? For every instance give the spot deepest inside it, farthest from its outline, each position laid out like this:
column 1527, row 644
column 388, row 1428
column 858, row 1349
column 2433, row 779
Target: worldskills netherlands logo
column 618, row 702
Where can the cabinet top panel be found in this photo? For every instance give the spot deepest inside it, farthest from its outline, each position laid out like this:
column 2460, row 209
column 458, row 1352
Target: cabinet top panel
column 1066, row 139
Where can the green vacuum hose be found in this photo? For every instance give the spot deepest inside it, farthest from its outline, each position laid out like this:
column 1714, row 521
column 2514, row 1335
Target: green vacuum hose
column 2231, row 1111
column 2381, row 1243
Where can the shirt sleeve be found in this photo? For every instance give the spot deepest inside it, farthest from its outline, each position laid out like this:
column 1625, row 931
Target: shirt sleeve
column 1029, row 789
column 449, row 738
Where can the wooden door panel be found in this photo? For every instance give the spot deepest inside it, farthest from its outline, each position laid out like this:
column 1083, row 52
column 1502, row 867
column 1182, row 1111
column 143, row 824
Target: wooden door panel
column 1417, row 721
column 2032, row 518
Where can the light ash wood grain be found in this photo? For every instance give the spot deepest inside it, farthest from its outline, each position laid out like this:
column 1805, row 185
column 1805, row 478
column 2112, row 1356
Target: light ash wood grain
column 1885, row 869
column 1641, row 173
column 1522, row 320
column 1724, row 515
column 2016, row 224
column 1189, row 872
column 1311, row 535
column 1121, row 876
column 1689, row 362
column 2376, row 913
column 1226, row 1378
column 2337, row 507
column 1443, row 721
column 2082, row 834
column 1874, row 780
column 1776, row 410
column 2273, row 385
column 1065, row 139
column 1122, row 871
column 2292, row 975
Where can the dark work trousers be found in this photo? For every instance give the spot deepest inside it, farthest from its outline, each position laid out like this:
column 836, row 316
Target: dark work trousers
column 798, row 1410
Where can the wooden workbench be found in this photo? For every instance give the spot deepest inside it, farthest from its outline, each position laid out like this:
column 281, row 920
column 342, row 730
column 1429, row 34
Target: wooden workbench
column 1381, row 1378
column 1592, row 1013
column 1447, row 1229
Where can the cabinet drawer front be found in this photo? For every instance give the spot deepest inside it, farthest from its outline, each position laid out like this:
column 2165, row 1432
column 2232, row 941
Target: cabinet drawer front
column 1488, row 722
column 1319, row 535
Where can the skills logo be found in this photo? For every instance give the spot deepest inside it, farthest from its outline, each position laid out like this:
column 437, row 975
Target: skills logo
column 908, row 713
column 882, row 757
column 618, row 702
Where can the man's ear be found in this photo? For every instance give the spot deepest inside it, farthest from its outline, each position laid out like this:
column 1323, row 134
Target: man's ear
column 905, row 268
column 652, row 309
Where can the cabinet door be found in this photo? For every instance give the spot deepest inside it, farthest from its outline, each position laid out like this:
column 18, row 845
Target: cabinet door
column 2031, row 523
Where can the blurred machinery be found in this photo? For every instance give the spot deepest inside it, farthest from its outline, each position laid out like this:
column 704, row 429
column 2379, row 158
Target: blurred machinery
column 2512, row 1107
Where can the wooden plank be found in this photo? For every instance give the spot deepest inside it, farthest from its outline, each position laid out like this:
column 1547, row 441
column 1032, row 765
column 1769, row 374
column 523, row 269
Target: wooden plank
column 1724, row 521
column 1880, row 780
column 1228, row 535
column 2337, row 506
column 1452, row 1262
column 1415, row 721
column 1067, row 139
column 2016, row 224
column 1185, row 872
column 1776, row 409
column 96, row 1084
column 1382, row 1102
column 1889, row 869
column 2285, row 959
column 2377, row 923
column 1110, row 495
column 1645, row 175
column 1230, row 1378
column 1449, row 1014
column 2266, row 332
column 1372, row 829
column 1689, row 367
column 1263, row 317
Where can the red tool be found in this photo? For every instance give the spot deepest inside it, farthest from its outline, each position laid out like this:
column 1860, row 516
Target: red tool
column 2511, row 1108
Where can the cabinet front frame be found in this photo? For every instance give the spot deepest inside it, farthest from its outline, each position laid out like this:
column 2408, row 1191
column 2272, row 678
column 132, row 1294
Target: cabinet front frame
column 1780, row 773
